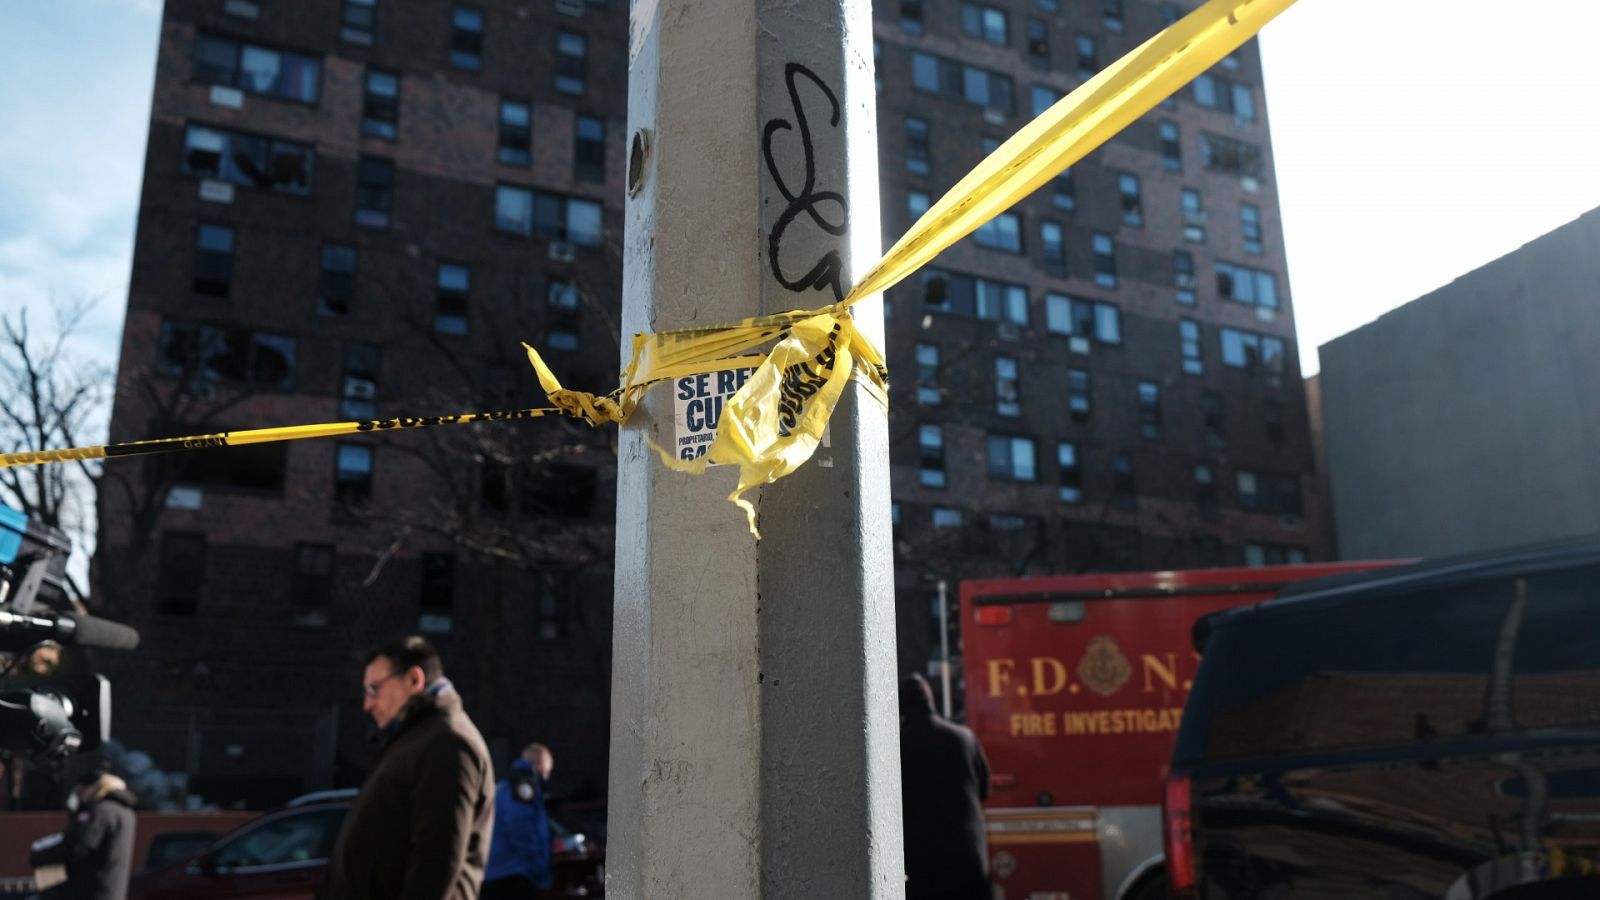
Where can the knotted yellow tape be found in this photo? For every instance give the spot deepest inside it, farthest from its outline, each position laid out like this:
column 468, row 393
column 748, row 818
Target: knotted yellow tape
column 804, row 358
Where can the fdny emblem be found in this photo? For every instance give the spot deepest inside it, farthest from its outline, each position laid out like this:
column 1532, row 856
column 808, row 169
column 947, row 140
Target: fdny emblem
column 1103, row 667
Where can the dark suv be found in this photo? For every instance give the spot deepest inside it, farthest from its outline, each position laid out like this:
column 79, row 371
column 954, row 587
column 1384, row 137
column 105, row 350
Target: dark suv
column 1430, row 731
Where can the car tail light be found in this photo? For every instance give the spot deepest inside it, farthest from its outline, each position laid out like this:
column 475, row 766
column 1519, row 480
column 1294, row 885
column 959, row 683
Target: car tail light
column 1178, row 837
column 992, row 615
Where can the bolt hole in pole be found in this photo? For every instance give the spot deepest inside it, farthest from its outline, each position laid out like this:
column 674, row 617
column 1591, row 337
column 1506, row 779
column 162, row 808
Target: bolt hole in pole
column 636, row 154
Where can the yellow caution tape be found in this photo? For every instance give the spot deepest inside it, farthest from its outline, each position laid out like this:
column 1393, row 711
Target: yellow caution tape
column 803, row 359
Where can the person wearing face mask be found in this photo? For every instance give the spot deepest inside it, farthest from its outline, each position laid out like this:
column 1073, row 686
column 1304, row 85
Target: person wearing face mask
column 519, row 853
column 96, row 850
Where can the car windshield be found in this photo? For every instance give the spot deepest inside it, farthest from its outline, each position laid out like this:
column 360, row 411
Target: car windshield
column 290, row 838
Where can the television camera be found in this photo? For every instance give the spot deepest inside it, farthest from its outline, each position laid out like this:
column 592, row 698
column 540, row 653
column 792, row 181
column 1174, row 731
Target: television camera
column 52, row 701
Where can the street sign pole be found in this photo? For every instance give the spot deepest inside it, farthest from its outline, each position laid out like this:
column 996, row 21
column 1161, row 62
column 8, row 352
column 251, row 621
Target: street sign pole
column 754, row 744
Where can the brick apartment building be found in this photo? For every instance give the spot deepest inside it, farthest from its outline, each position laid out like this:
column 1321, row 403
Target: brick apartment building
column 1105, row 378
column 357, row 208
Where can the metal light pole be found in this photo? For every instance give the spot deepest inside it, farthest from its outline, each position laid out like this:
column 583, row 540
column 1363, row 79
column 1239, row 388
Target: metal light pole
column 944, row 645
column 754, row 741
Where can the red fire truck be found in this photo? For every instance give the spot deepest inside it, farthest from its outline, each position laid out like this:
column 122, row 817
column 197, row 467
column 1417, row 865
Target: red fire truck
column 1074, row 685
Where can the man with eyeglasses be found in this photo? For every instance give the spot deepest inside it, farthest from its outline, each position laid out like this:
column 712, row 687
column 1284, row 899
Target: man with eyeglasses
column 419, row 829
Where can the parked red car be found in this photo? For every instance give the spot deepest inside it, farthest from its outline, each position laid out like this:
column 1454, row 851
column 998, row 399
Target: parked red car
column 283, row 855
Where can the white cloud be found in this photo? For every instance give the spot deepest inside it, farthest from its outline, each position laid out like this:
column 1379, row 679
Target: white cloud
column 75, row 80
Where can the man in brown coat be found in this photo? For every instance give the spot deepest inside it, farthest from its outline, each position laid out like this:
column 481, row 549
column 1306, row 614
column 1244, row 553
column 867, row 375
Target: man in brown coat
column 419, row 829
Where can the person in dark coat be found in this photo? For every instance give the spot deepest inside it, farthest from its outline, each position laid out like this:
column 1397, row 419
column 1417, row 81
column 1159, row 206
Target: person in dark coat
column 97, row 847
column 419, row 829
column 944, row 777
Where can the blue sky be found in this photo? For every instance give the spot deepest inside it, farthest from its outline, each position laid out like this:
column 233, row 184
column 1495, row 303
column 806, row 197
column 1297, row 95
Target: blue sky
column 1414, row 140
column 75, row 81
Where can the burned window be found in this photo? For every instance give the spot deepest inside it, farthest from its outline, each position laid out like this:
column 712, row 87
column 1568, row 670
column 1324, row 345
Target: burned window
column 209, row 353
column 1252, row 287
column 248, row 160
column 1233, row 157
column 969, row 295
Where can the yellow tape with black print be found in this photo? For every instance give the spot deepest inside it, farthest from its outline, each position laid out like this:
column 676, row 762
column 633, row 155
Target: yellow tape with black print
column 803, row 359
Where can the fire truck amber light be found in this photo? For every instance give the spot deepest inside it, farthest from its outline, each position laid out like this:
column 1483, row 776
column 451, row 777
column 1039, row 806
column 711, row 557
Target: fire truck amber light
column 992, row 615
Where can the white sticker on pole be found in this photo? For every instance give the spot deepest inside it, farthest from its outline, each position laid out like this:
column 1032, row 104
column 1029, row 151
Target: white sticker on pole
column 698, row 402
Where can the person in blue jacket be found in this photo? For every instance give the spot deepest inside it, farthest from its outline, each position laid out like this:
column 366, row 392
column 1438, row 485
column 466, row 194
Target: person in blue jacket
column 519, row 847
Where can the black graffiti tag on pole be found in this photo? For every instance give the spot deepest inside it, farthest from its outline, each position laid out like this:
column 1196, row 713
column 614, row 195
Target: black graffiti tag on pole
column 807, row 200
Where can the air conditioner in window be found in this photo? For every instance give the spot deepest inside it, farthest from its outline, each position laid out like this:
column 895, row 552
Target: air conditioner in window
column 1249, row 184
column 1194, row 217
column 184, row 496
column 216, row 191
column 1009, row 331
column 232, row 98
column 1078, row 344
column 994, row 117
column 572, row 8
column 563, row 251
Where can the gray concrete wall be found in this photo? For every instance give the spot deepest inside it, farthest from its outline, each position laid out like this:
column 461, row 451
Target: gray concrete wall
column 1469, row 419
